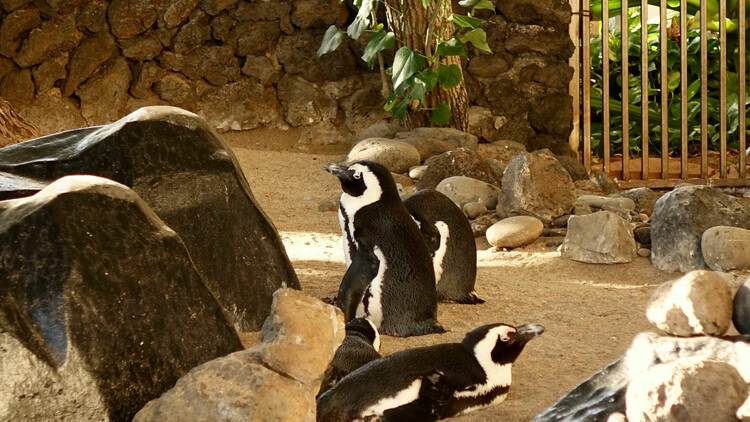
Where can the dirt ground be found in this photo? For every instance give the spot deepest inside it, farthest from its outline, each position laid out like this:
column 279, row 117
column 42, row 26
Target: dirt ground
column 591, row 312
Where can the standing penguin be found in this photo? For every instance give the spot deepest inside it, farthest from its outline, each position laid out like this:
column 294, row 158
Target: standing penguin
column 451, row 241
column 389, row 279
column 360, row 346
column 431, row 383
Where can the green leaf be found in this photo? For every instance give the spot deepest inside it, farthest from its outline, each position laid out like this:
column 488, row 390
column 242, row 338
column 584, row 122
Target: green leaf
column 399, row 111
column 485, row 4
column 441, row 114
column 405, row 64
column 451, row 47
column 468, row 3
column 418, row 89
column 426, row 3
column 429, row 78
column 378, row 42
column 465, row 21
column 390, row 102
column 331, row 40
column 449, row 76
column 477, row 37
column 362, row 21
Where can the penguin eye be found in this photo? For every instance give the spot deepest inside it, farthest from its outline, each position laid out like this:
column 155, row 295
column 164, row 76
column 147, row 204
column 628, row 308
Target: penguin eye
column 357, row 175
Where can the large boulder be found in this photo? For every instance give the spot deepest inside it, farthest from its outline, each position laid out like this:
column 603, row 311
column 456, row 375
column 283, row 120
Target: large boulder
column 277, row 380
column 464, row 190
column 604, row 392
column 101, row 307
column 681, row 216
column 394, row 155
column 191, row 179
column 459, row 162
column 537, row 184
column 599, row 238
column 431, row 141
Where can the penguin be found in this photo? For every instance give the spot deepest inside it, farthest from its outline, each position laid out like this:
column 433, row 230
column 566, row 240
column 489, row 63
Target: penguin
column 360, row 346
column 451, row 242
column 389, row 279
column 431, row 383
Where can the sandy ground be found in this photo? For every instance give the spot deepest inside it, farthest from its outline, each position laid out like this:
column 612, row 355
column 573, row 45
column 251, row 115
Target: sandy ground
column 591, row 312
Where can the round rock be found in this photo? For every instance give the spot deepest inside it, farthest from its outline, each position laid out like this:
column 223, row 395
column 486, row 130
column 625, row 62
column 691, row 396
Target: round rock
column 474, row 209
column 463, row 190
column 726, row 248
column 698, row 303
column 741, row 316
column 396, row 156
column 513, row 232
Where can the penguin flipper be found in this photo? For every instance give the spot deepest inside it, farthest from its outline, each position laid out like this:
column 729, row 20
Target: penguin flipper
column 358, row 276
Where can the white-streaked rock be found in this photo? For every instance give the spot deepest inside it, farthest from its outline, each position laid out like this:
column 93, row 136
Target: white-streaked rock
column 726, row 248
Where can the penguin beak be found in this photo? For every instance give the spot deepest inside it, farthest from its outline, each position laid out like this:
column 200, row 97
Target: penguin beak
column 343, row 173
column 526, row 332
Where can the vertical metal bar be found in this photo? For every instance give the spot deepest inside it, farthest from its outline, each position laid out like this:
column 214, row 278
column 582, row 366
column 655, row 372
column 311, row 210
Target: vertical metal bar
column 683, row 91
column 723, row 87
column 624, row 32
column 644, row 89
column 664, row 89
column 586, row 35
column 605, row 86
column 574, row 88
column 742, row 86
column 704, row 91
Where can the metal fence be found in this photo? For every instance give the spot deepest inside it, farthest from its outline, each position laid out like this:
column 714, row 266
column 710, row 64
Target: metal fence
column 690, row 158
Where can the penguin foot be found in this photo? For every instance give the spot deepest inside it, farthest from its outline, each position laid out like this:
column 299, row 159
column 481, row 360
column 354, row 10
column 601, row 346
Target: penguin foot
column 470, row 299
column 328, row 300
column 419, row 330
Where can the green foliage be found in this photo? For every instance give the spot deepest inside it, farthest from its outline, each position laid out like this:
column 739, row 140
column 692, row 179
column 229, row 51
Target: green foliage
column 654, row 88
column 414, row 74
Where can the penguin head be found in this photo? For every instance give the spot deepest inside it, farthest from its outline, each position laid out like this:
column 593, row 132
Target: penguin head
column 496, row 346
column 364, row 180
column 365, row 328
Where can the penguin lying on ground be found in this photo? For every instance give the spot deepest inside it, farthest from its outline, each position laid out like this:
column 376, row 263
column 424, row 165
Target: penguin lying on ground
column 389, row 279
column 431, row 383
column 451, row 241
column 360, row 346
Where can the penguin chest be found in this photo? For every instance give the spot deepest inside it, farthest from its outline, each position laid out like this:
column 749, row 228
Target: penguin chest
column 439, row 254
column 371, row 306
column 399, row 398
column 492, row 392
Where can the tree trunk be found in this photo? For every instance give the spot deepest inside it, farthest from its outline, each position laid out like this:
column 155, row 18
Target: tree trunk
column 14, row 128
column 411, row 30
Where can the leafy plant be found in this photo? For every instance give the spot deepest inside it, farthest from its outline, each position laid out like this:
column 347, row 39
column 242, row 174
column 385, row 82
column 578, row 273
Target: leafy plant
column 413, row 73
column 654, row 87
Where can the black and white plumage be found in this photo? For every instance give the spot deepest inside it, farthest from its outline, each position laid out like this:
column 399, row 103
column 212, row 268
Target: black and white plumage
column 431, row 383
column 360, row 346
column 389, row 279
column 451, row 241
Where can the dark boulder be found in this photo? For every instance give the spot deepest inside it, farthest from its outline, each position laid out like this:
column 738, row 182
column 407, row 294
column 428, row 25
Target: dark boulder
column 458, row 162
column 191, row 179
column 681, row 216
column 101, row 308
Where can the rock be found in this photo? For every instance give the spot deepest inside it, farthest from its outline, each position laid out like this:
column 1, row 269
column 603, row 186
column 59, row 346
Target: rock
column 14, row 186
column 309, row 13
column 644, row 252
column 599, row 238
column 214, row 7
column 481, row 120
column 380, row 129
column 262, row 10
column 488, row 66
column 698, row 303
column 642, row 234
column 14, row 25
column 216, row 63
column 553, row 232
column 741, row 308
column 192, row 34
column 513, row 232
column 93, row 15
column 304, row 103
column 146, row 74
column 681, row 216
column 574, row 167
column 104, row 95
column 432, row 141
column 363, row 108
column 417, row 172
column 528, row 11
column 604, row 392
column 128, row 18
column 605, row 182
column 179, row 166
column 394, row 155
column 404, row 185
column 297, row 54
column 87, row 58
column 53, row 112
column 480, row 225
column 561, row 221
column 261, row 68
column 144, row 47
column 175, row 89
column 176, row 12
column 325, row 133
column 554, row 114
column 463, row 190
column 596, row 201
column 537, row 184
column 299, row 339
column 726, row 248
column 743, row 413
column 459, row 162
column 644, row 198
column 502, row 151
column 683, row 391
column 17, row 87
column 241, row 105
column 617, row 417
column 46, row 74
column 254, row 38
column 104, row 308
column 474, row 209
column 497, row 167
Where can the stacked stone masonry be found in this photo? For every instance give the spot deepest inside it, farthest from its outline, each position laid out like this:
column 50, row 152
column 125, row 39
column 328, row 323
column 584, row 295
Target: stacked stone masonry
column 250, row 64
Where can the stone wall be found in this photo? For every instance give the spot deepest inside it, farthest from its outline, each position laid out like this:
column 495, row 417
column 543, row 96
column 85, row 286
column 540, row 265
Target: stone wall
column 248, row 64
